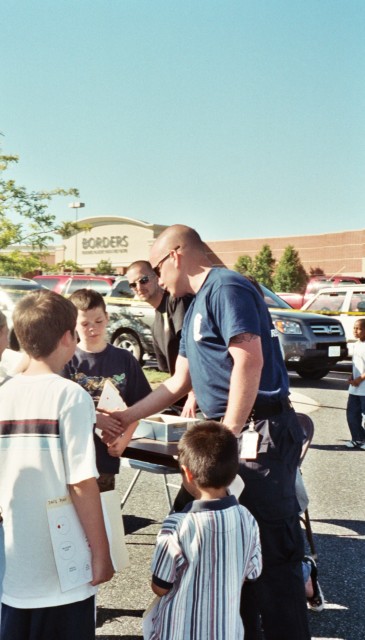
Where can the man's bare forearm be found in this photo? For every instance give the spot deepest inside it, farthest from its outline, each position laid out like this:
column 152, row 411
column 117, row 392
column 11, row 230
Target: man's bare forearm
column 165, row 395
column 244, row 384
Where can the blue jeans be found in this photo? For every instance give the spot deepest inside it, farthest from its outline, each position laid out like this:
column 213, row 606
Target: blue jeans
column 354, row 413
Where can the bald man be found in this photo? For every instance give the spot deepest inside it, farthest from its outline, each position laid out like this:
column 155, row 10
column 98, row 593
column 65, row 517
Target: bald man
column 230, row 354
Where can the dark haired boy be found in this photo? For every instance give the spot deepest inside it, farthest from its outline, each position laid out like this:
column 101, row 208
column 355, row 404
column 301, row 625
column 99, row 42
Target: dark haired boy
column 96, row 361
column 46, row 452
column 204, row 553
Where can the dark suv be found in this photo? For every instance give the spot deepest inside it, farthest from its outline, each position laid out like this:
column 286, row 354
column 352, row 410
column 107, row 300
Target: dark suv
column 310, row 343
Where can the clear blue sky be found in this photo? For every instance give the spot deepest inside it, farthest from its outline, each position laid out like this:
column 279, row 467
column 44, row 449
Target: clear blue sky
column 242, row 118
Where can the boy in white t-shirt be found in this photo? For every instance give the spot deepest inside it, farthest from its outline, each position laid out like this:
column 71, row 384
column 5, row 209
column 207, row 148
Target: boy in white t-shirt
column 47, row 451
column 356, row 401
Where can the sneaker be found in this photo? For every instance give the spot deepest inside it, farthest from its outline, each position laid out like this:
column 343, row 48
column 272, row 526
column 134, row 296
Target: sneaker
column 355, row 444
column 351, row 444
column 316, row 602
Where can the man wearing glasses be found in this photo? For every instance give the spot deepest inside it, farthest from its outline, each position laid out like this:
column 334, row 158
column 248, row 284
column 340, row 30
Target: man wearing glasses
column 168, row 322
column 230, row 354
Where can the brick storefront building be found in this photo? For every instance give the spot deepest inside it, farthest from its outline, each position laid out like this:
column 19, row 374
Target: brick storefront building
column 342, row 252
column 122, row 240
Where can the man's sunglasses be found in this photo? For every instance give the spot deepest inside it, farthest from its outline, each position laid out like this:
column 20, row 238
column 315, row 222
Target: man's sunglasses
column 157, row 268
column 143, row 280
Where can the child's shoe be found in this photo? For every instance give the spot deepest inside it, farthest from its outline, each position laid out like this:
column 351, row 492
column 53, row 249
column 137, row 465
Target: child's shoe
column 355, row 444
column 315, row 602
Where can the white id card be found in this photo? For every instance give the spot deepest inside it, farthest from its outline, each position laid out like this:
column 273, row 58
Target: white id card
column 249, row 442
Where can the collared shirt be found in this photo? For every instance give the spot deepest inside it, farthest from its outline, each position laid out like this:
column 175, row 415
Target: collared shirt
column 203, row 555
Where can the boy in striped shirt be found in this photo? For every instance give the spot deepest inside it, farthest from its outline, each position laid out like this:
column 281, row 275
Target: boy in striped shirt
column 204, row 553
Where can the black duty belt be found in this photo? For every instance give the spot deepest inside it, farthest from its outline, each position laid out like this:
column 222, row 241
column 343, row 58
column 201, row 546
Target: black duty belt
column 265, row 411
column 262, row 412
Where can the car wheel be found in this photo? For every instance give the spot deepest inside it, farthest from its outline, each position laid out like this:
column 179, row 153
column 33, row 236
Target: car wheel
column 129, row 340
column 312, row 374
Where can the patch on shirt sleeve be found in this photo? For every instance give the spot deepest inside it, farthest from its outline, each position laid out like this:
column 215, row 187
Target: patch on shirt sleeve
column 197, row 325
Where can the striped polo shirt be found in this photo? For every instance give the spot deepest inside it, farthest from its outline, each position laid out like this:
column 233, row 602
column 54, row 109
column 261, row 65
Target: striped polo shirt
column 203, row 555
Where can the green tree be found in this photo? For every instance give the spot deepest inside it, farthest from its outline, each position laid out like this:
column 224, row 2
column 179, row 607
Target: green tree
column 19, row 264
column 66, row 265
column 104, row 268
column 35, row 224
column 263, row 266
column 290, row 274
column 244, row 265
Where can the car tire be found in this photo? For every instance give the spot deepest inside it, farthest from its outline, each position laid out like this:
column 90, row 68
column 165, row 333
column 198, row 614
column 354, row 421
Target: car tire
column 130, row 341
column 312, row 374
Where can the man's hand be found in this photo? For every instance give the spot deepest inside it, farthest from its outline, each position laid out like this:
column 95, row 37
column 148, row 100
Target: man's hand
column 189, row 409
column 120, row 423
column 108, row 423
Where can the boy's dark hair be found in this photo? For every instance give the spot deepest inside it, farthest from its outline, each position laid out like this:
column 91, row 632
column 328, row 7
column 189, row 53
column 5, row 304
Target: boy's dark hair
column 40, row 320
column 361, row 322
column 210, row 451
column 86, row 299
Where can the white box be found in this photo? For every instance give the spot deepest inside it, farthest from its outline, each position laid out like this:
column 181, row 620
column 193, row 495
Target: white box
column 165, row 427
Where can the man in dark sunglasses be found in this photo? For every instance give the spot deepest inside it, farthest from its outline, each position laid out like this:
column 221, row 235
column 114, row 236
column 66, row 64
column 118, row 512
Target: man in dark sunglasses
column 168, row 322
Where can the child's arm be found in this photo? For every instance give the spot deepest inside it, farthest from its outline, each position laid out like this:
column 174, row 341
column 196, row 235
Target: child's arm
column 356, row 382
column 117, row 447
column 159, row 591
column 86, row 499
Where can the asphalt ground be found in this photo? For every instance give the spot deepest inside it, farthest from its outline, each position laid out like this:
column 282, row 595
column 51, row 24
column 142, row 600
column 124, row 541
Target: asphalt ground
column 335, row 479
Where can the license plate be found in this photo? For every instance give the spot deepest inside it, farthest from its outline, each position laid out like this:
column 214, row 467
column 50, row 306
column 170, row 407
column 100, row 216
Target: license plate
column 334, row 351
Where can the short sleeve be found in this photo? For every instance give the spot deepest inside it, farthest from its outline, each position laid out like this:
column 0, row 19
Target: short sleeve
column 77, row 418
column 168, row 557
column 235, row 311
column 254, row 566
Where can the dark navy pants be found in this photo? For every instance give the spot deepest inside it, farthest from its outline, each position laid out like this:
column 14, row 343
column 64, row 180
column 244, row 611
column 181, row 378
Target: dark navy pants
column 75, row 621
column 354, row 413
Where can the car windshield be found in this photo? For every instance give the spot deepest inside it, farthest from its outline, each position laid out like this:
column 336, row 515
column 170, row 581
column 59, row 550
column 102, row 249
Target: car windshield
column 273, row 300
column 327, row 301
column 17, row 290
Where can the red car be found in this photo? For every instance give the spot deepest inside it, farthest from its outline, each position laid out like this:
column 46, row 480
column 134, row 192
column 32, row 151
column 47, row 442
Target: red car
column 67, row 284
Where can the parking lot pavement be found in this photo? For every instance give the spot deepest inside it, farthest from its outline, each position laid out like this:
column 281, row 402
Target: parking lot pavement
column 122, row 601
column 335, row 479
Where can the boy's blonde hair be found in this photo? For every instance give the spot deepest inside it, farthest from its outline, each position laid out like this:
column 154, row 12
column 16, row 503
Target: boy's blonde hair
column 40, row 320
